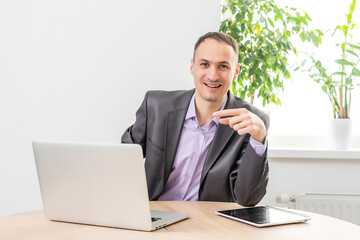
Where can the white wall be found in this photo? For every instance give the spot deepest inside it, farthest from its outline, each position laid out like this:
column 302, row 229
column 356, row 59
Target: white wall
column 77, row 70
column 300, row 175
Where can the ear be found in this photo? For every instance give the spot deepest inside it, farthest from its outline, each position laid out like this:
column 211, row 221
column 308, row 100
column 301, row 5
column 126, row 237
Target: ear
column 192, row 67
column 237, row 70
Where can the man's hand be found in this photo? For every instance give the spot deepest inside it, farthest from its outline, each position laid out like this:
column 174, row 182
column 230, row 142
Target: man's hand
column 243, row 121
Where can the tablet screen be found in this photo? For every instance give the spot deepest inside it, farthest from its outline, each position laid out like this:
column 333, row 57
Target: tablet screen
column 262, row 216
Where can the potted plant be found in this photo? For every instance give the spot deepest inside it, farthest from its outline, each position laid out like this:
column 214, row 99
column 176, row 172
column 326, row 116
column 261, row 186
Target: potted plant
column 263, row 31
column 338, row 84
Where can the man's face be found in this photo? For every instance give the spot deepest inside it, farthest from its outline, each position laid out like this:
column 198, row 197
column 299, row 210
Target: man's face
column 213, row 67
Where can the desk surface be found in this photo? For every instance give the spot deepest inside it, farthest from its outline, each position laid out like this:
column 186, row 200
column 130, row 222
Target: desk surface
column 203, row 224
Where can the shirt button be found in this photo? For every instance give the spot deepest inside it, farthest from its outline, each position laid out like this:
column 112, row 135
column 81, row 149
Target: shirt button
column 179, row 195
column 187, row 175
column 194, row 155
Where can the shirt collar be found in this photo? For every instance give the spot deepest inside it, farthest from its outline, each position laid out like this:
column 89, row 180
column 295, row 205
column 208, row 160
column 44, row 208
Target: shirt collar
column 191, row 112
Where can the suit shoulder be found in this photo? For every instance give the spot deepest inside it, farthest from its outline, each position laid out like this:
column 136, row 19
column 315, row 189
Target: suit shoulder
column 169, row 99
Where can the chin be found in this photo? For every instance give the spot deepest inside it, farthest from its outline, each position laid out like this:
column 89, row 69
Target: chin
column 211, row 98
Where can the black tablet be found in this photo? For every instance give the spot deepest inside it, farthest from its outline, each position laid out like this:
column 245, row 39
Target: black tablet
column 264, row 216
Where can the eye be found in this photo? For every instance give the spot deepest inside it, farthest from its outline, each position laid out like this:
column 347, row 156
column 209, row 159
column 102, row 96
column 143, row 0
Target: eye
column 204, row 64
column 223, row 66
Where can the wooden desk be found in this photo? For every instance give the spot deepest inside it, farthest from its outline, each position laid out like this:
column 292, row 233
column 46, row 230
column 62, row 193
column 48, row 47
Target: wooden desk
column 203, row 224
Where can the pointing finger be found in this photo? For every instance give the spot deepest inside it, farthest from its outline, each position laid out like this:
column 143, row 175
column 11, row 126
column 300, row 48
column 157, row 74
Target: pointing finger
column 226, row 113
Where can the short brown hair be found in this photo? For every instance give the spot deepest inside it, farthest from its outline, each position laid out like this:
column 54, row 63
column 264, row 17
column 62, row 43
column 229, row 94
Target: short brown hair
column 218, row 36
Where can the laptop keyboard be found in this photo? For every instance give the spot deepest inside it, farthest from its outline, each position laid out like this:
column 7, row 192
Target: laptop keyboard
column 154, row 219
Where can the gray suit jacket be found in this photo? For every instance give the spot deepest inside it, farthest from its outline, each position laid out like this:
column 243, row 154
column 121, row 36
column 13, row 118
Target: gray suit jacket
column 232, row 170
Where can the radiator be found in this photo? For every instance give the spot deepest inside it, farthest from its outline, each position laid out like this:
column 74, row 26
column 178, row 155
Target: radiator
column 342, row 206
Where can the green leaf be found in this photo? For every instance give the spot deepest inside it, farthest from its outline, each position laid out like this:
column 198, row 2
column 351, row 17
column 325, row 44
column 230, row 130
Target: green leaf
column 339, row 27
column 320, row 32
column 271, row 22
column 307, row 16
column 239, row 17
column 262, row 19
column 352, row 53
column 314, row 38
column 241, row 83
column 233, row 9
column 252, row 71
column 303, row 62
column 318, row 64
column 324, row 88
column 304, row 21
column 352, row 6
column 345, row 30
column 247, row 61
column 272, row 60
column 303, row 36
column 355, row 46
column 250, row 17
column 233, row 86
column 349, row 17
column 356, row 72
column 343, row 62
column 348, row 81
column 338, row 73
column 242, row 27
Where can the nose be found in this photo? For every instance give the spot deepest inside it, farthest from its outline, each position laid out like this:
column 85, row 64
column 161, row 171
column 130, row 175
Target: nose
column 213, row 74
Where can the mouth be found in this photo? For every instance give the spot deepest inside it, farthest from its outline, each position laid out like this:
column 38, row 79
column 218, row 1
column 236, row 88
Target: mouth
column 212, row 85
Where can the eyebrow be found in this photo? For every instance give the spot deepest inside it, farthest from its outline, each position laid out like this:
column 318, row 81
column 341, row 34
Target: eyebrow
column 222, row 62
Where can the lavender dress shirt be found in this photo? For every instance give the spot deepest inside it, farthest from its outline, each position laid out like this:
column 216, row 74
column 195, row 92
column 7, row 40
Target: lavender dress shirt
column 184, row 180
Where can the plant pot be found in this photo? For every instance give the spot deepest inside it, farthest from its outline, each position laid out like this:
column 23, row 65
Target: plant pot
column 340, row 133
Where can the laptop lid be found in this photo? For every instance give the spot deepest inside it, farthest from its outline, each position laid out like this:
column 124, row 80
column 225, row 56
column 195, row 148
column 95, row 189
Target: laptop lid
column 98, row 184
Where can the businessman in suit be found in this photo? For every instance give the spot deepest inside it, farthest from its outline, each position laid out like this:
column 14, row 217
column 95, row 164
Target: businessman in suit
column 204, row 144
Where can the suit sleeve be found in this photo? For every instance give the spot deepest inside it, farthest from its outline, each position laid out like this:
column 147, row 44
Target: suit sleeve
column 250, row 177
column 137, row 132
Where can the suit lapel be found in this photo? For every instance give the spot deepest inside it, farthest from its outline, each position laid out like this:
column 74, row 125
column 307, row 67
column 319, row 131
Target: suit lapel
column 174, row 127
column 221, row 138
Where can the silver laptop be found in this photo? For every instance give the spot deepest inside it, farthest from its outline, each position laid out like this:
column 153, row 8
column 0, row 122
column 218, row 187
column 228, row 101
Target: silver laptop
column 97, row 184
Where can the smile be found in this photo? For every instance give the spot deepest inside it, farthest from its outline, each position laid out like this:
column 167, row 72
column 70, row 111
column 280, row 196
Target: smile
column 212, row 85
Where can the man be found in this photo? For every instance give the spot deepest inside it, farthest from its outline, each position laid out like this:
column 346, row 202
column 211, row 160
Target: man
column 192, row 154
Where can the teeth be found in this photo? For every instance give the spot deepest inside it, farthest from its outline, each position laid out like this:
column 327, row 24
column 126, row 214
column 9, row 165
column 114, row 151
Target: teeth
column 212, row 86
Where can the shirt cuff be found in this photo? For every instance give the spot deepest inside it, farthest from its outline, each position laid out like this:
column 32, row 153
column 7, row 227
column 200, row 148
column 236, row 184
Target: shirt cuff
column 258, row 147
